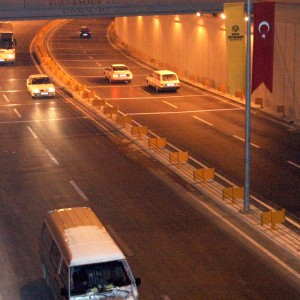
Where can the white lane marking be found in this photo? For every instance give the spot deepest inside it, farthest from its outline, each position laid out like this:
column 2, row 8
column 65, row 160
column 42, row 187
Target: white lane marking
column 293, row 164
column 201, row 120
column 243, row 140
column 90, row 57
column 181, row 112
column 17, row 113
column 165, row 297
column 32, row 132
column 78, row 190
column 84, row 51
column 52, row 157
column 119, row 241
column 170, row 104
column 252, row 241
column 99, row 65
column 6, row 98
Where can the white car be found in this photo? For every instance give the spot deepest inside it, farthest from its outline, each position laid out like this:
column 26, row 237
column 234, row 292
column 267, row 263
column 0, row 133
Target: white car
column 163, row 80
column 39, row 85
column 117, row 72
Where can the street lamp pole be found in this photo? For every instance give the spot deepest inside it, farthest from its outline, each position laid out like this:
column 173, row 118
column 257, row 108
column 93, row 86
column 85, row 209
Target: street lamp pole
column 248, row 114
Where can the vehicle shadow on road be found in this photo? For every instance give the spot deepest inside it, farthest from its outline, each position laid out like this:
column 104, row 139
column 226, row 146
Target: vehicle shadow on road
column 36, row 289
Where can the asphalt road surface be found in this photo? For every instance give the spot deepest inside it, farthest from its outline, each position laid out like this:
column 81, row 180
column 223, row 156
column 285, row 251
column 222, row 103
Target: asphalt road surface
column 211, row 128
column 53, row 155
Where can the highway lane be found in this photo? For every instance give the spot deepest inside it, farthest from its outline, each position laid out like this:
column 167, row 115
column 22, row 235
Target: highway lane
column 52, row 155
column 211, row 128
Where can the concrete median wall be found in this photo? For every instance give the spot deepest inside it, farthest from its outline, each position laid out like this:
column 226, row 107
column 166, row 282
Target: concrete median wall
column 195, row 47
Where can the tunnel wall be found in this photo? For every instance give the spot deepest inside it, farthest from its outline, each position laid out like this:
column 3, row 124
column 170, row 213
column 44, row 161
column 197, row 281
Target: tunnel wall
column 195, row 47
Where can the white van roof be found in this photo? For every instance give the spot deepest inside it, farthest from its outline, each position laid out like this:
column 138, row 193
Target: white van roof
column 81, row 236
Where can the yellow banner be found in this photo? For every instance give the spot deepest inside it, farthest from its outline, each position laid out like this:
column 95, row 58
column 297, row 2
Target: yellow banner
column 236, row 46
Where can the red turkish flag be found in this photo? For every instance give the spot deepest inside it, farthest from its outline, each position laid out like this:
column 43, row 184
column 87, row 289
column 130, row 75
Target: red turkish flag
column 263, row 47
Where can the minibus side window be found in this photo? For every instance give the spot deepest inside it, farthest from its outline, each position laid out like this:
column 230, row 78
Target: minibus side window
column 55, row 256
column 64, row 274
column 46, row 236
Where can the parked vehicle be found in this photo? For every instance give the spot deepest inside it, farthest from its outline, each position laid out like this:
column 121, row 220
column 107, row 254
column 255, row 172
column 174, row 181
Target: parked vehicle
column 80, row 260
column 163, row 80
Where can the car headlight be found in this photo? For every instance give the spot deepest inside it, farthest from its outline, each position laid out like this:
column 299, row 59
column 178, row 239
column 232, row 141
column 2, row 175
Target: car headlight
column 36, row 91
column 51, row 90
column 11, row 56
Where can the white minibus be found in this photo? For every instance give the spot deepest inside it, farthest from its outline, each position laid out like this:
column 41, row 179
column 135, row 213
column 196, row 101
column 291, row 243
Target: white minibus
column 80, row 260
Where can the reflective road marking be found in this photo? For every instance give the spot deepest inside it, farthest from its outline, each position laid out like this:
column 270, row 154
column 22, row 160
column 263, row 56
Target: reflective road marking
column 32, row 132
column 241, row 139
column 293, row 164
column 170, row 104
column 79, row 191
column 201, row 120
column 52, row 157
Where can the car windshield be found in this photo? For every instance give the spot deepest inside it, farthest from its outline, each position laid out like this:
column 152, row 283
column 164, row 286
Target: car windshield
column 98, row 278
column 120, row 68
column 169, row 77
column 41, row 80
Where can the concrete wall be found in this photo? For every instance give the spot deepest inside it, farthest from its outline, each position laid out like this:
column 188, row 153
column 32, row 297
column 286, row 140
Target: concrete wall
column 196, row 47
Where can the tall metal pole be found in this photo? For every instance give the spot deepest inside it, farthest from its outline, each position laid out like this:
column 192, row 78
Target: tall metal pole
column 248, row 114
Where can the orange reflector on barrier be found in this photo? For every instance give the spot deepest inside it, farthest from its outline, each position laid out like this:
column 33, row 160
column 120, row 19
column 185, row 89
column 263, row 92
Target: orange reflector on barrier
column 139, row 130
column 157, row 142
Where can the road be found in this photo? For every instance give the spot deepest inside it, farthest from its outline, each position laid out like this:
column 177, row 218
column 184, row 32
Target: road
column 211, row 128
column 54, row 155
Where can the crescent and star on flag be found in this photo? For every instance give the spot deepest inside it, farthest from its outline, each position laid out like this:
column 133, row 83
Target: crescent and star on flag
column 262, row 30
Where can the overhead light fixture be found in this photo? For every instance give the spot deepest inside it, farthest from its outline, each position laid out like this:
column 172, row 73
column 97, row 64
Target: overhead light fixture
column 223, row 16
